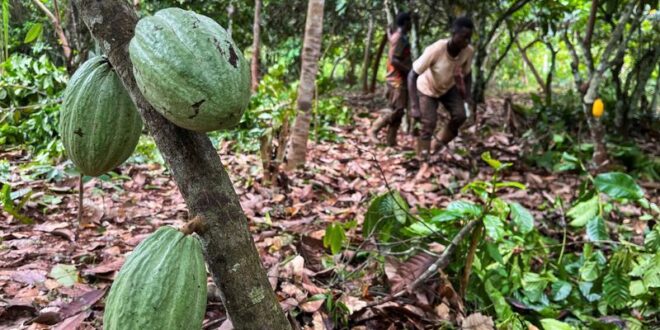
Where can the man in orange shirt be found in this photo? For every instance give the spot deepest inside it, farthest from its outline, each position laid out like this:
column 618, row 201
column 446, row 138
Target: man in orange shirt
column 399, row 62
column 442, row 75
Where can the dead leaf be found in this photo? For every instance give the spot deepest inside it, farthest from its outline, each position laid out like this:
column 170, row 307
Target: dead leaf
column 400, row 275
column 30, row 277
column 72, row 323
column 81, row 303
column 478, row 321
column 311, row 306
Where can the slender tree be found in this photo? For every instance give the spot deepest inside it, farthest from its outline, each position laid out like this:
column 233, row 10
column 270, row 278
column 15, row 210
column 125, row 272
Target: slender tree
column 200, row 176
column 256, row 44
column 297, row 147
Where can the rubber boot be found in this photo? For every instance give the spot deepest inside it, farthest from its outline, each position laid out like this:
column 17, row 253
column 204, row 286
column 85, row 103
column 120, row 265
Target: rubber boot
column 376, row 127
column 391, row 135
column 423, row 150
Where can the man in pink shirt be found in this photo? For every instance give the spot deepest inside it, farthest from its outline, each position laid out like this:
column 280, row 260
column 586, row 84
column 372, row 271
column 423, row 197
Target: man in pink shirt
column 442, row 75
column 399, row 62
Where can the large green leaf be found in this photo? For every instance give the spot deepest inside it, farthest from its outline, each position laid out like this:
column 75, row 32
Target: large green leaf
column 618, row 185
column 386, row 212
column 596, row 230
column 494, row 227
column 523, row 219
column 561, row 290
column 534, row 286
column 584, row 211
column 464, row 209
column 589, row 271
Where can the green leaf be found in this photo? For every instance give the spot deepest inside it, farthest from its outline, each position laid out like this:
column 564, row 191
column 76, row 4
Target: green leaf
column 637, row 288
column 494, row 227
column 552, row 324
column 652, row 239
column 511, row 184
column 616, row 289
column 494, row 163
column 445, row 216
column 534, row 286
column 584, row 211
column 596, row 230
column 33, row 33
column 334, row 237
column 585, row 289
column 502, row 307
column 561, row 290
column 386, row 212
column 67, row 275
column 494, row 253
column 589, row 271
column 618, row 185
column 523, row 219
column 464, row 209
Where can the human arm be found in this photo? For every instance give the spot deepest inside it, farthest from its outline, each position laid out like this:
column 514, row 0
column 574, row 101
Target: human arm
column 412, row 94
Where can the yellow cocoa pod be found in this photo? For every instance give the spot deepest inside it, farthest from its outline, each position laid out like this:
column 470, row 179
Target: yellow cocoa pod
column 598, row 108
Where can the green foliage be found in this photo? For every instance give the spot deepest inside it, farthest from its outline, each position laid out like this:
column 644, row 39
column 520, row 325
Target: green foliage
column 386, row 215
column 516, row 262
column 7, row 197
column 30, row 93
column 334, row 238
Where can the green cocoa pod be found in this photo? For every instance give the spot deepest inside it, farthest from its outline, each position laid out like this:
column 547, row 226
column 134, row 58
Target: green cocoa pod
column 161, row 286
column 99, row 123
column 188, row 67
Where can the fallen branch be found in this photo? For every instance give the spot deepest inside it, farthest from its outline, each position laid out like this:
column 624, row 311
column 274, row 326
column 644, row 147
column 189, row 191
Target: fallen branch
column 440, row 263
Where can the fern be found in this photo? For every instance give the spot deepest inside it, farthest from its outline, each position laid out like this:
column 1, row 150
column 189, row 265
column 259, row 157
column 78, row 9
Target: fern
column 616, row 284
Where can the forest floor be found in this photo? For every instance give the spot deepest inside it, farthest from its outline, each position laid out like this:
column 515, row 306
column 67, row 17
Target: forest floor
column 55, row 272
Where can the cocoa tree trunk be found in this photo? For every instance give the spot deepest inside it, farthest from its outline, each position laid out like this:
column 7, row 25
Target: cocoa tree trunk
column 201, row 179
column 596, row 128
column 256, row 44
column 297, row 147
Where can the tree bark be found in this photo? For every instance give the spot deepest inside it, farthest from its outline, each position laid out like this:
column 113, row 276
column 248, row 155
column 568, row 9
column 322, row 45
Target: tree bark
column 256, row 45
column 376, row 66
column 202, row 180
column 297, row 147
column 596, row 128
column 367, row 55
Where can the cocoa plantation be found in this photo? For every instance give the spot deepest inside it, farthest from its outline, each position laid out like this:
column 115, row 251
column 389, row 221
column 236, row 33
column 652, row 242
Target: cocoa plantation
column 329, row 164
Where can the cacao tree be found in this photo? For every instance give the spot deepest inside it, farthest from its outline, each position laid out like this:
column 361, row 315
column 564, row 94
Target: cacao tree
column 202, row 180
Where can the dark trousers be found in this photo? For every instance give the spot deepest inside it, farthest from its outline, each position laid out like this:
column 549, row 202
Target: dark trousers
column 398, row 100
column 428, row 106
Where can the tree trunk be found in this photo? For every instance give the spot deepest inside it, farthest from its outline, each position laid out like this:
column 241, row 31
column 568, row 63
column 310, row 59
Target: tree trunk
column 297, row 147
column 414, row 31
column 596, row 128
column 376, row 66
column 550, row 74
column 528, row 62
column 367, row 55
column 480, row 80
column 202, row 180
column 256, row 44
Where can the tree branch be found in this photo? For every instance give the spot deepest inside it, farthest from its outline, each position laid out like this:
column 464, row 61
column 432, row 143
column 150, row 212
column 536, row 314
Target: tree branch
column 594, row 80
column 58, row 29
column 440, row 263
